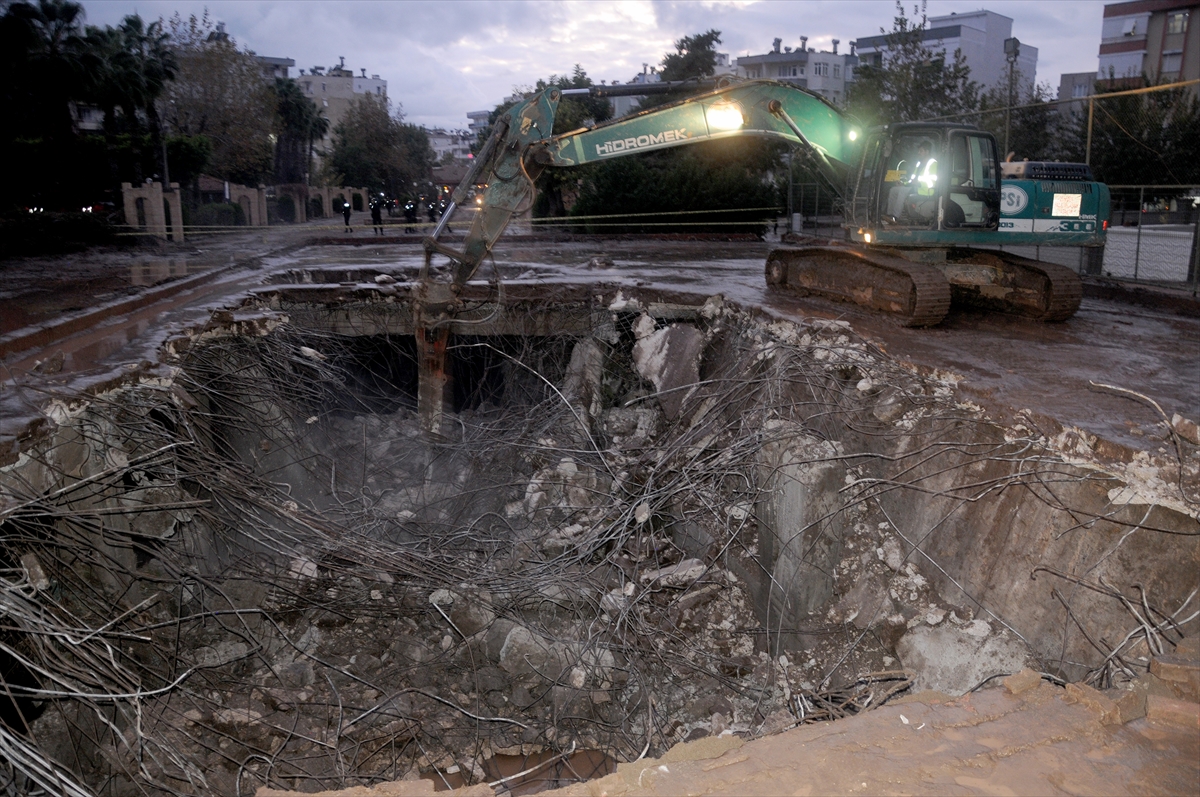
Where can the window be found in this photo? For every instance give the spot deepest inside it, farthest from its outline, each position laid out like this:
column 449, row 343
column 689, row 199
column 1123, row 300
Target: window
column 1171, row 62
column 1079, row 90
column 800, row 70
column 1177, row 22
column 787, row 71
column 837, row 70
column 821, row 70
column 1130, row 28
column 308, row 87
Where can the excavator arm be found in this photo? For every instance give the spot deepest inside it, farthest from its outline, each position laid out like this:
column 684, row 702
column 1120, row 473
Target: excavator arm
column 521, row 147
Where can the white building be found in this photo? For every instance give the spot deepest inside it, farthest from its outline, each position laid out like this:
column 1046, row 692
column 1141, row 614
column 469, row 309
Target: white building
column 980, row 35
column 455, row 143
column 479, row 121
column 824, row 72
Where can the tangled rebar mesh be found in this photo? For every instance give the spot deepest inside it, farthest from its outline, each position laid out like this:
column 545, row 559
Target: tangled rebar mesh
column 260, row 572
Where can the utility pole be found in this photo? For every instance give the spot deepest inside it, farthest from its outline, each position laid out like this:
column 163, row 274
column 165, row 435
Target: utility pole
column 1012, row 50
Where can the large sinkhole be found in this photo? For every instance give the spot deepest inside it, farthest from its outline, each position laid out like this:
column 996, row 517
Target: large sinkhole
column 642, row 520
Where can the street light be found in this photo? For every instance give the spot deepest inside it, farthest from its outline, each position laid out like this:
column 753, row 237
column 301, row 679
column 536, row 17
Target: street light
column 1012, row 50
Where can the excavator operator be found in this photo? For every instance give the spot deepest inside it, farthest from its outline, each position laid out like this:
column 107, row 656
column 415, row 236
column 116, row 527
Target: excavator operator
column 914, row 196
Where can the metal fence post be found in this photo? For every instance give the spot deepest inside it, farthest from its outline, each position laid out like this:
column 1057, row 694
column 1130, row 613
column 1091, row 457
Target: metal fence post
column 817, row 211
column 1137, row 249
column 1195, row 265
column 1091, row 112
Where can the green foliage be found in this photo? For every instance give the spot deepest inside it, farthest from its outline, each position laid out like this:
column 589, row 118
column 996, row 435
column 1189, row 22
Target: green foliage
column 374, row 148
column 219, row 92
column 718, row 175
column 187, row 157
column 1033, row 130
column 914, row 82
column 215, row 214
column 300, row 123
column 1144, row 139
column 694, row 57
column 46, row 60
column 573, row 113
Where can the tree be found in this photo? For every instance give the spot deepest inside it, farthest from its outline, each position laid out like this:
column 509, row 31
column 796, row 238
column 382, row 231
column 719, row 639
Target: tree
column 300, row 123
column 695, row 58
column 1035, row 127
column 679, row 190
column 1143, row 139
column 131, row 67
column 375, row 148
column 730, row 175
column 46, row 60
column 574, row 112
column 913, row 82
column 219, row 93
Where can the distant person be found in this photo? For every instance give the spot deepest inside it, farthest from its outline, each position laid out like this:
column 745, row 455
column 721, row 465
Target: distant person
column 410, row 216
column 377, row 217
column 346, row 215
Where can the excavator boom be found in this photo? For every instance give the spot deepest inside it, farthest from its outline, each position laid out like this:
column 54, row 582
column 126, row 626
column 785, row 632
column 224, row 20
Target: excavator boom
column 521, row 147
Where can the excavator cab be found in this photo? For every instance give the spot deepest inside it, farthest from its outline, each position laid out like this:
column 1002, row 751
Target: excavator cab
column 923, row 177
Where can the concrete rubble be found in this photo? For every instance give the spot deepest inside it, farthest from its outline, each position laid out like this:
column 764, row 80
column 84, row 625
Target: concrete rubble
column 694, row 526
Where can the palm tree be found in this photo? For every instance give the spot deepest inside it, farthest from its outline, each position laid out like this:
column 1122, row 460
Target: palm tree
column 48, row 60
column 300, row 123
column 153, row 64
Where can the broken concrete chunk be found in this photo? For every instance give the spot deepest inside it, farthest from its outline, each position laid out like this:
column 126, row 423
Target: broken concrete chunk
column 1023, row 681
column 632, row 427
column 34, row 572
column 585, row 376
column 670, row 360
column 1181, row 673
column 1131, row 704
column 1186, row 428
column 893, row 555
column 524, row 654
column 677, row 575
column 867, row 603
column 951, row 660
column 1175, row 712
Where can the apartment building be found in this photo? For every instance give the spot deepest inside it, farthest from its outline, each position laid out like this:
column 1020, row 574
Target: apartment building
column 980, row 35
column 825, row 72
column 333, row 90
column 1149, row 41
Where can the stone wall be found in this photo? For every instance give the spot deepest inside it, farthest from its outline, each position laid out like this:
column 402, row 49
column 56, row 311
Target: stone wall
column 157, row 212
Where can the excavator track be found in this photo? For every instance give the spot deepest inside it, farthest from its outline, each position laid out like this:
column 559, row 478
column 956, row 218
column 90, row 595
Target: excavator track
column 917, row 294
column 1008, row 283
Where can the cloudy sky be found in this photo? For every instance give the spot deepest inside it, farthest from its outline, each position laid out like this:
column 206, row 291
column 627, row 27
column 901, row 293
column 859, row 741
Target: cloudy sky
column 443, row 59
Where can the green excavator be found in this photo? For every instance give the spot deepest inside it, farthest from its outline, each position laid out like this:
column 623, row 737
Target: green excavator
column 925, row 205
